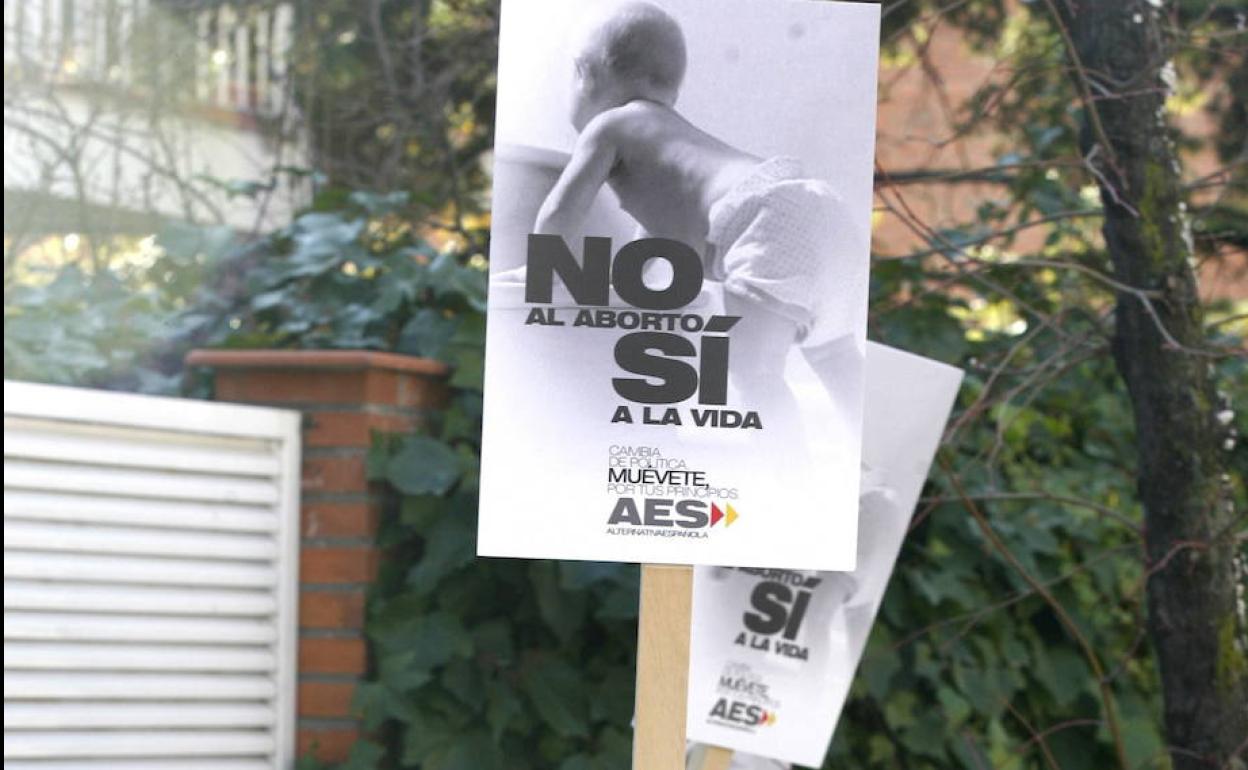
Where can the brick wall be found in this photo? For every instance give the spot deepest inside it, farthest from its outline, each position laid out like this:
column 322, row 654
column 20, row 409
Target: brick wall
column 345, row 396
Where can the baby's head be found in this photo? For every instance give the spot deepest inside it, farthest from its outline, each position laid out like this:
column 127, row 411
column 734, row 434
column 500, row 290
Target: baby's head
column 635, row 50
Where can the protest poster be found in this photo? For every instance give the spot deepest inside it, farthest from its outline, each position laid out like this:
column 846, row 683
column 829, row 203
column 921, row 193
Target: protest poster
column 773, row 651
column 678, row 282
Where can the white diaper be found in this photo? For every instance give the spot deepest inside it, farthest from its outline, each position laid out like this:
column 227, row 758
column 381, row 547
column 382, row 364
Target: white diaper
column 785, row 240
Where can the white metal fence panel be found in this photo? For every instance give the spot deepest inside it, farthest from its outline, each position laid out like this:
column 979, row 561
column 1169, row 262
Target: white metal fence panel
column 150, row 569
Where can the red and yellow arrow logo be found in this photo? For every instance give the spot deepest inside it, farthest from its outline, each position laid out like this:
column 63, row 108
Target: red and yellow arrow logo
column 717, row 515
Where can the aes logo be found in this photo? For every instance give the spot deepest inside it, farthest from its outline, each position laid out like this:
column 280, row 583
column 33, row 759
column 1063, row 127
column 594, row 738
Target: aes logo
column 778, row 605
column 745, row 699
column 744, row 714
column 689, row 514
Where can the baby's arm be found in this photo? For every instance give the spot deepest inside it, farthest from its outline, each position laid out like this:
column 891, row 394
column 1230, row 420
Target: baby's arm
column 569, row 202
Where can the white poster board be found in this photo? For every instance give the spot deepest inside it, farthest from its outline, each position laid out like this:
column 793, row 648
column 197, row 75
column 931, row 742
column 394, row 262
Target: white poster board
column 774, row 650
column 676, row 330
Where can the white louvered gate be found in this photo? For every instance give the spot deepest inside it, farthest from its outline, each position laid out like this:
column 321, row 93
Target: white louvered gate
column 150, row 577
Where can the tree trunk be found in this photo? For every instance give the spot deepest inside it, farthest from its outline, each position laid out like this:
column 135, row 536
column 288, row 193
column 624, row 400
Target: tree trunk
column 1196, row 623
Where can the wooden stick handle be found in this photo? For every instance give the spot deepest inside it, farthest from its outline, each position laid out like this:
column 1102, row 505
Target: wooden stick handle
column 711, row 758
column 662, row 667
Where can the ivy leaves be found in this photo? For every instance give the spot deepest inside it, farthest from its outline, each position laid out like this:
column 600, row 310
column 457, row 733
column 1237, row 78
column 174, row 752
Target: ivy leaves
column 349, row 273
column 423, row 466
column 484, row 663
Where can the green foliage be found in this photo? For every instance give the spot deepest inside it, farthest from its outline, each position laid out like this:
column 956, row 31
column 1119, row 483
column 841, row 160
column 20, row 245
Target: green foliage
column 967, row 661
column 106, row 320
column 66, row 331
column 487, row 663
column 348, row 273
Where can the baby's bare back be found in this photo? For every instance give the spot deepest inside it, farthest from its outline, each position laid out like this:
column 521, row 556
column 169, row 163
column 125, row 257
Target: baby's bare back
column 668, row 172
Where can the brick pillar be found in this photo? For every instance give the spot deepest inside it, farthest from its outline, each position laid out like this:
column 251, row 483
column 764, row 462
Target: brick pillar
column 344, row 396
